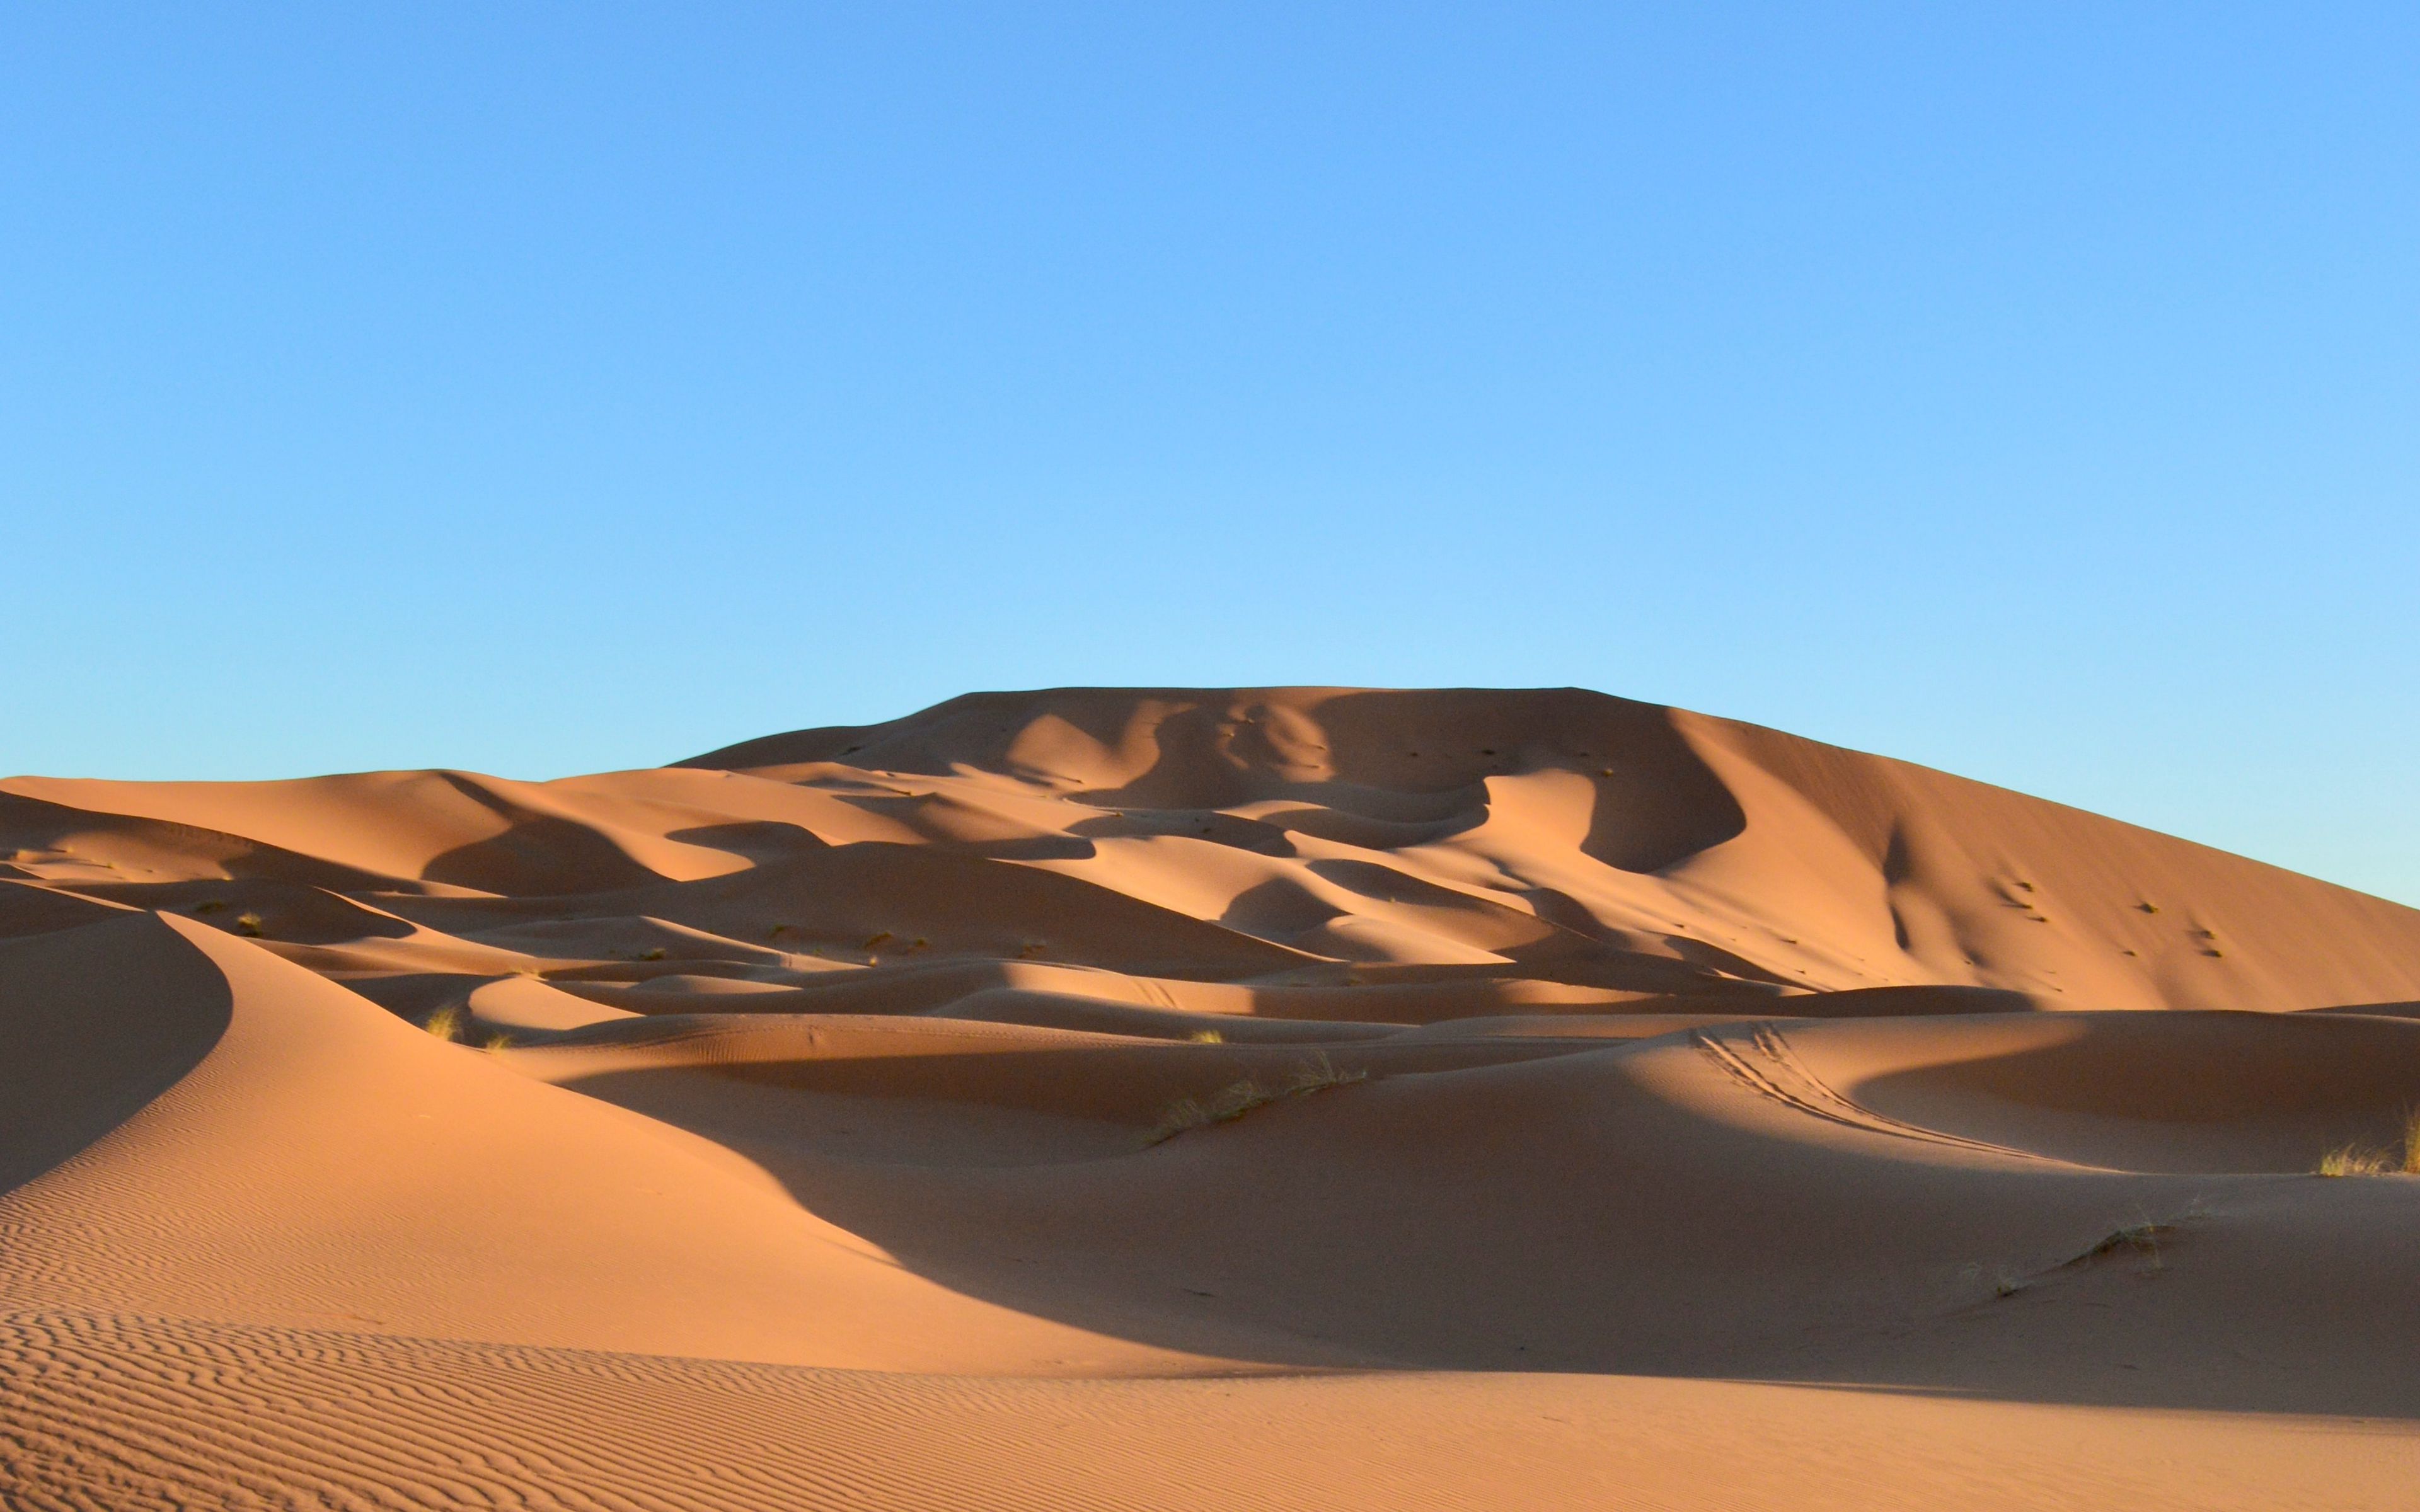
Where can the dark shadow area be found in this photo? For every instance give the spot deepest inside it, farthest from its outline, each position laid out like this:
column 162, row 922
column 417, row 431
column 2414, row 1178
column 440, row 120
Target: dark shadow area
column 1385, row 883
column 2391, row 1011
column 759, row 839
column 1091, row 1015
column 415, row 995
column 970, row 832
column 1904, row 1002
column 536, row 855
column 260, row 907
column 2173, row 1091
column 1133, row 1083
column 1253, row 835
column 35, row 908
column 1423, row 1218
column 98, row 1022
column 1277, row 910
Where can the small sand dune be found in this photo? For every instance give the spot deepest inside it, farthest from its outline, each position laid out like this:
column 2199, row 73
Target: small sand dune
column 1179, row 1099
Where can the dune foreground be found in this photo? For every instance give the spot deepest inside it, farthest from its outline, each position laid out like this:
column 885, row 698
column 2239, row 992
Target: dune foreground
column 1170, row 1099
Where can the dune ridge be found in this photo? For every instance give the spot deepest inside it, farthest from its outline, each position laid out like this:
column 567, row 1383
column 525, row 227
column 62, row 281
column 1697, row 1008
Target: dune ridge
column 1592, row 1064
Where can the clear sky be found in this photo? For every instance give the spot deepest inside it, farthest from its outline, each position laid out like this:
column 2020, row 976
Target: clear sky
column 2030, row 391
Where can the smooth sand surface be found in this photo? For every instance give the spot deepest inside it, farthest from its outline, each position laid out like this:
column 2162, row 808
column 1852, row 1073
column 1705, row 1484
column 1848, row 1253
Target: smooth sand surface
column 1292, row 1098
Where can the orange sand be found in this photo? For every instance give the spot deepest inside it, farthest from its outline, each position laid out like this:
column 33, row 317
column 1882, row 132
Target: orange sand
column 1637, row 1109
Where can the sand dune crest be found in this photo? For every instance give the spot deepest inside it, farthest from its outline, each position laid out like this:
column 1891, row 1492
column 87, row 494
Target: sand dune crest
column 1033, row 1099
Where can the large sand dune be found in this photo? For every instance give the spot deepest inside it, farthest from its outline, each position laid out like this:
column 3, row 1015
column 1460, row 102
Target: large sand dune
column 1181, row 1099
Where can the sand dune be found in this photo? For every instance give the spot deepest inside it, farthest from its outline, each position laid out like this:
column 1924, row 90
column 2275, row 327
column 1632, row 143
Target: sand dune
column 1168, row 1098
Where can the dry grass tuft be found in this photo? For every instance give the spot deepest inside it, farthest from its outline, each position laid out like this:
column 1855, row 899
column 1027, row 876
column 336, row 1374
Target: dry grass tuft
column 2352, row 1160
column 1207, row 1037
column 1233, row 1101
column 445, row 1024
column 2143, row 1237
column 248, row 925
column 655, row 953
column 497, row 1041
column 2362, row 1159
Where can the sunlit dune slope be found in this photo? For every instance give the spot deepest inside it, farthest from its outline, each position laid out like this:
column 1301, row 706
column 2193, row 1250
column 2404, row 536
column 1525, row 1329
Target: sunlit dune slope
column 1132, row 1058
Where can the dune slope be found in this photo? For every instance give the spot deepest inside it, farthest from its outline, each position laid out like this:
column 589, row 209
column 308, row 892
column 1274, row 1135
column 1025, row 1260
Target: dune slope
column 1176, row 1098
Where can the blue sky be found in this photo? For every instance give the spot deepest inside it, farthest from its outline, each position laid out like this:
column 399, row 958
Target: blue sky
column 2027, row 391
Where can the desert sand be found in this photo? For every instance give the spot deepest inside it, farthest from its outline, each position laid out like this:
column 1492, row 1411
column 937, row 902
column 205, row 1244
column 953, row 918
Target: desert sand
column 1182, row 1099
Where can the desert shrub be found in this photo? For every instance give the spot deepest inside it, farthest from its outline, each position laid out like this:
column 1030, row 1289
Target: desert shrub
column 1236, row 1099
column 2352, row 1160
column 2143, row 1237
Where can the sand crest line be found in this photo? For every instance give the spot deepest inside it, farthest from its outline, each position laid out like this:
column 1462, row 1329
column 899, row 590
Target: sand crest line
column 775, row 1128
